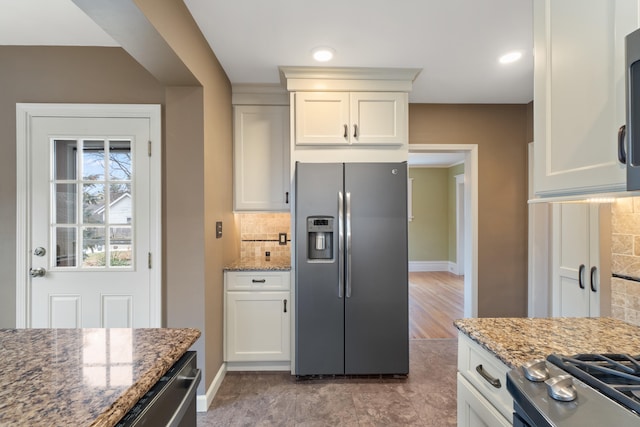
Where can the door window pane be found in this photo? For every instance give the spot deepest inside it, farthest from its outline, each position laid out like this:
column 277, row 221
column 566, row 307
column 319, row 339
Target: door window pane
column 65, row 244
column 120, row 161
column 120, row 211
column 93, row 247
column 94, row 207
column 120, row 246
column 65, row 153
column 93, row 163
column 65, row 208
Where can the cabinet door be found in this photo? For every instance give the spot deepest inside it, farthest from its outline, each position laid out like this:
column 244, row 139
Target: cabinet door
column 579, row 94
column 261, row 157
column 322, row 118
column 575, row 253
column 378, row 118
column 474, row 410
column 257, row 326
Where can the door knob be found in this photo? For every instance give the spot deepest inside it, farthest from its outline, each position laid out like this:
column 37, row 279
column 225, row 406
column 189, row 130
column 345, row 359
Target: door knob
column 37, row 272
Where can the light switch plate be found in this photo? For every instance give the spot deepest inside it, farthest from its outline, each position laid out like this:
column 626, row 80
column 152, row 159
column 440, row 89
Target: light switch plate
column 218, row 229
column 282, row 238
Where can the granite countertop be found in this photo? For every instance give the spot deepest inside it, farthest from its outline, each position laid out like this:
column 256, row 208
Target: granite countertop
column 82, row 377
column 260, row 264
column 516, row 340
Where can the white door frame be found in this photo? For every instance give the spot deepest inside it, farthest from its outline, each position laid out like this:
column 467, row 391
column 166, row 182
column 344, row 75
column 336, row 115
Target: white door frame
column 470, row 216
column 24, row 116
column 460, row 205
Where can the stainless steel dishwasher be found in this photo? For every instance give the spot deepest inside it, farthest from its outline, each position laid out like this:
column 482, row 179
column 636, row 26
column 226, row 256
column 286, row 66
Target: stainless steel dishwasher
column 171, row 401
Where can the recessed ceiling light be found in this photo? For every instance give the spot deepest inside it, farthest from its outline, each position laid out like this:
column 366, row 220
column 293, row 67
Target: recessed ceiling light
column 322, row 54
column 510, row 57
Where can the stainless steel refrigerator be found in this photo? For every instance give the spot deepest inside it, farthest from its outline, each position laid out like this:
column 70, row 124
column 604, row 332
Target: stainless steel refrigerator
column 351, row 312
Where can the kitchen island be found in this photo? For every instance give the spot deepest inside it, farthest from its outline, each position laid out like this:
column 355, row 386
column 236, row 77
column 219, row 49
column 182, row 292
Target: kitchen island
column 488, row 348
column 82, row 377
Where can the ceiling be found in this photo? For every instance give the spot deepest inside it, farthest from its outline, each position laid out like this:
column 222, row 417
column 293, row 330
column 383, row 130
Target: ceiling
column 456, row 42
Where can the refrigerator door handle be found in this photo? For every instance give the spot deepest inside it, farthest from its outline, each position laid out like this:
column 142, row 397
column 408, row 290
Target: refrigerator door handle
column 348, row 243
column 340, row 244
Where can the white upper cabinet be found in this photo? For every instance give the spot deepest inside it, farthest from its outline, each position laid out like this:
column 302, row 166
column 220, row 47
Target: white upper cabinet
column 579, row 95
column 261, row 158
column 344, row 118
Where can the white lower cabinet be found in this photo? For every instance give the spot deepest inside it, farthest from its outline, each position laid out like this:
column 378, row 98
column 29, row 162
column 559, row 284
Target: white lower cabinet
column 257, row 320
column 483, row 399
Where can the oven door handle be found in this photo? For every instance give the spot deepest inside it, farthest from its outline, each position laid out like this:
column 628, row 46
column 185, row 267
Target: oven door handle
column 190, row 394
column 495, row 382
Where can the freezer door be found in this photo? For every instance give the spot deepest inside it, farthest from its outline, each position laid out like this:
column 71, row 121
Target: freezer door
column 319, row 345
column 377, row 310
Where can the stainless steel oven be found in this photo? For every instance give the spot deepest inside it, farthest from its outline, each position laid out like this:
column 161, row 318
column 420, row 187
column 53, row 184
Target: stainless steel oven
column 171, row 401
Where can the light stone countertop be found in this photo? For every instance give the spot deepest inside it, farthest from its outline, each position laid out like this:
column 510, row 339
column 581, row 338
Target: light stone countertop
column 516, row 340
column 260, row 264
column 82, row 377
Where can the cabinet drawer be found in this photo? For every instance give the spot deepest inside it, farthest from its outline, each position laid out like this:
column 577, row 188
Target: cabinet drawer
column 473, row 358
column 257, row 280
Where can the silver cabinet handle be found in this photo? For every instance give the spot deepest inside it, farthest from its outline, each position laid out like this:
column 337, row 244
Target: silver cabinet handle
column 340, row 244
column 348, row 241
column 594, row 270
column 346, row 130
column 495, row 382
column 37, row 272
column 355, row 131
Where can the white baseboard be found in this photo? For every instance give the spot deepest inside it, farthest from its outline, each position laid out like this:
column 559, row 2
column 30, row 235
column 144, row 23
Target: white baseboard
column 204, row 401
column 258, row 366
column 449, row 266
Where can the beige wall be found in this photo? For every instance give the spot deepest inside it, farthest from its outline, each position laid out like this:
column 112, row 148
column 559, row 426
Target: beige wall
column 54, row 75
column 197, row 160
column 198, row 184
column 501, row 133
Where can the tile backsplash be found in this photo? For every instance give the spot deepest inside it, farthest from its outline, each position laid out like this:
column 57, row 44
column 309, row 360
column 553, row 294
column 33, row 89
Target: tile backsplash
column 259, row 234
column 625, row 259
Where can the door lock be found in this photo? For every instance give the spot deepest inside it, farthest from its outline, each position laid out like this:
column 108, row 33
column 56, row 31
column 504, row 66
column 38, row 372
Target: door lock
column 39, row 251
column 37, row 272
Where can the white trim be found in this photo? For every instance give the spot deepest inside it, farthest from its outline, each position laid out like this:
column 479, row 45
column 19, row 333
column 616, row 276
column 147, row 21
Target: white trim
column 203, row 401
column 258, row 366
column 459, row 224
column 415, row 266
column 470, row 216
column 24, row 114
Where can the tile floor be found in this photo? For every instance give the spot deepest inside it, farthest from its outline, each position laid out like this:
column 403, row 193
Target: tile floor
column 426, row 398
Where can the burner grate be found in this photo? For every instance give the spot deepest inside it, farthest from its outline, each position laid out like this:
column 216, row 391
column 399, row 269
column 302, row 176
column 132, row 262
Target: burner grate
column 615, row 375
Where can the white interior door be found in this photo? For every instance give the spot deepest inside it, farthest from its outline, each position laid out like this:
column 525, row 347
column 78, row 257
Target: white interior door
column 91, row 230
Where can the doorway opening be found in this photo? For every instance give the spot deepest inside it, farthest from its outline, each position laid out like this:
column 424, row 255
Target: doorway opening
column 460, row 275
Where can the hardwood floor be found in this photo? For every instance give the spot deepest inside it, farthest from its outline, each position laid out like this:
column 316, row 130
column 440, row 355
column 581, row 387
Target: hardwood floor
column 435, row 301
